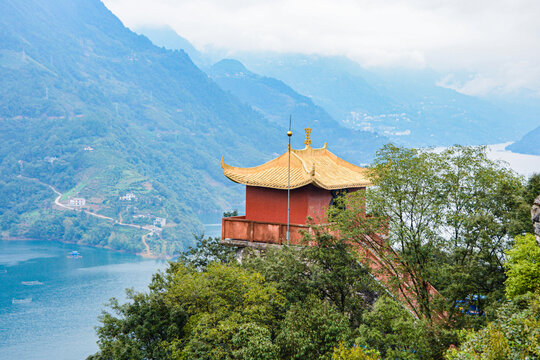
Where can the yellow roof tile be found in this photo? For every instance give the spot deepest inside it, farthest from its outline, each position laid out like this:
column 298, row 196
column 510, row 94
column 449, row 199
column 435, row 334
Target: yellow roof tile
column 308, row 166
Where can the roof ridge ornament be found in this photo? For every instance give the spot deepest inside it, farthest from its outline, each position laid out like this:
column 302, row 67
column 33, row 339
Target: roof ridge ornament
column 308, row 137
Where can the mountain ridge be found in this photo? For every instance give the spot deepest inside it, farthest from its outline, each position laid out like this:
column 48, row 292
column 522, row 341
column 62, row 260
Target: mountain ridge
column 277, row 102
column 528, row 144
column 77, row 79
column 408, row 106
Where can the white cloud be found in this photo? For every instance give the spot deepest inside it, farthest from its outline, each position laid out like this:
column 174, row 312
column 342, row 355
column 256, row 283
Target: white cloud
column 499, row 41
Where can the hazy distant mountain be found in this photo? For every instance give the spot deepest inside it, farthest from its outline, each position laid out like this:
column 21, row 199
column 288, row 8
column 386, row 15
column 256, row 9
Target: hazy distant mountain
column 99, row 112
column 277, row 101
column 169, row 39
column 529, row 144
column 271, row 97
column 405, row 105
column 330, row 82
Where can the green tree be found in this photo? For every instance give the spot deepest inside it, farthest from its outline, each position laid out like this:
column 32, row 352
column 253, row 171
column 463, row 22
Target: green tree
column 230, row 213
column 206, row 251
column 220, row 301
column 224, row 312
column 449, row 217
column 311, row 330
column 514, row 334
column 354, row 353
column 139, row 329
column 253, row 342
column 407, row 198
column 8, row 218
column 532, row 190
column 522, row 223
column 482, row 210
column 523, row 267
column 394, row 332
column 329, row 270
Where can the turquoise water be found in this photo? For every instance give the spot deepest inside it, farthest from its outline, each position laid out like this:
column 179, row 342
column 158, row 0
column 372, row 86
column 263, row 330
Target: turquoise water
column 67, row 295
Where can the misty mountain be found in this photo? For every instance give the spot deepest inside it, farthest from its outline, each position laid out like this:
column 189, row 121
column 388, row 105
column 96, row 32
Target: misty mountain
column 528, row 144
column 166, row 37
column 277, row 102
column 406, row 105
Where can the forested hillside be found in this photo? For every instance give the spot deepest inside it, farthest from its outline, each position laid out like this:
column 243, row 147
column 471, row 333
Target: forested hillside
column 98, row 112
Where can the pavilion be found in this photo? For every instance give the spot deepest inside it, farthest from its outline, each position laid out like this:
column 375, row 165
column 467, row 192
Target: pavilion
column 316, row 177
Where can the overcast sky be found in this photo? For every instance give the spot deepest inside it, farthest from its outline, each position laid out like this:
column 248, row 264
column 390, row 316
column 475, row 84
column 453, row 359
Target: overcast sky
column 497, row 42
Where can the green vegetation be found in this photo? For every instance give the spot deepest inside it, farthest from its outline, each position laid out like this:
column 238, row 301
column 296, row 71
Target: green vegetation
column 390, row 328
column 229, row 311
column 78, row 227
column 523, row 267
column 532, row 189
column 207, row 250
column 96, row 111
column 217, row 311
column 515, row 331
column 514, row 334
column 451, row 217
column 297, row 340
column 354, row 353
column 320, row 302
column 329, row 271
column 234, row 311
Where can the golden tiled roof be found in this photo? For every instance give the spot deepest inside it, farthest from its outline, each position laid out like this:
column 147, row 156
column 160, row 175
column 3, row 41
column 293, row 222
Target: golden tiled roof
column 308, row 166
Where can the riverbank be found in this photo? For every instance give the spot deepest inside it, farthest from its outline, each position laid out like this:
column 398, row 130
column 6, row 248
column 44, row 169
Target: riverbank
column 523, row 164
column 150, row 228
column 145, row 254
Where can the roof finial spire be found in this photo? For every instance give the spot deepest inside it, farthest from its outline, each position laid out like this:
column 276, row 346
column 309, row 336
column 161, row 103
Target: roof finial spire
column 308, row 137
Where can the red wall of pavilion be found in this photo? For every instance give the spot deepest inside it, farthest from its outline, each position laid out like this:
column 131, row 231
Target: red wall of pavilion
column 270, row 205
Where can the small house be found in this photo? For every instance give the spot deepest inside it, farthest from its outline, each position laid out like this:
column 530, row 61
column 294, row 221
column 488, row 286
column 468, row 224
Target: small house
column 77, row 202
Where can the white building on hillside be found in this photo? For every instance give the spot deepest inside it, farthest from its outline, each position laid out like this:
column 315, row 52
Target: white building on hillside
column 78, row 202
column 160, row 221
column 128, row 197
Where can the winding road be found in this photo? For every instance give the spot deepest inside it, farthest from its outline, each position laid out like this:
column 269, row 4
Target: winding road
column 147, row 253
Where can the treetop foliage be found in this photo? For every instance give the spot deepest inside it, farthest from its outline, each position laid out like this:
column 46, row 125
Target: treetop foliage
column 523, row 267
column 206, row 251
column 450, row 215
column 514, row 334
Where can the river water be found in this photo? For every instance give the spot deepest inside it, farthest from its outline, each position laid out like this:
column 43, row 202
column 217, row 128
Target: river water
column 523, row 164
column 50, row 301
